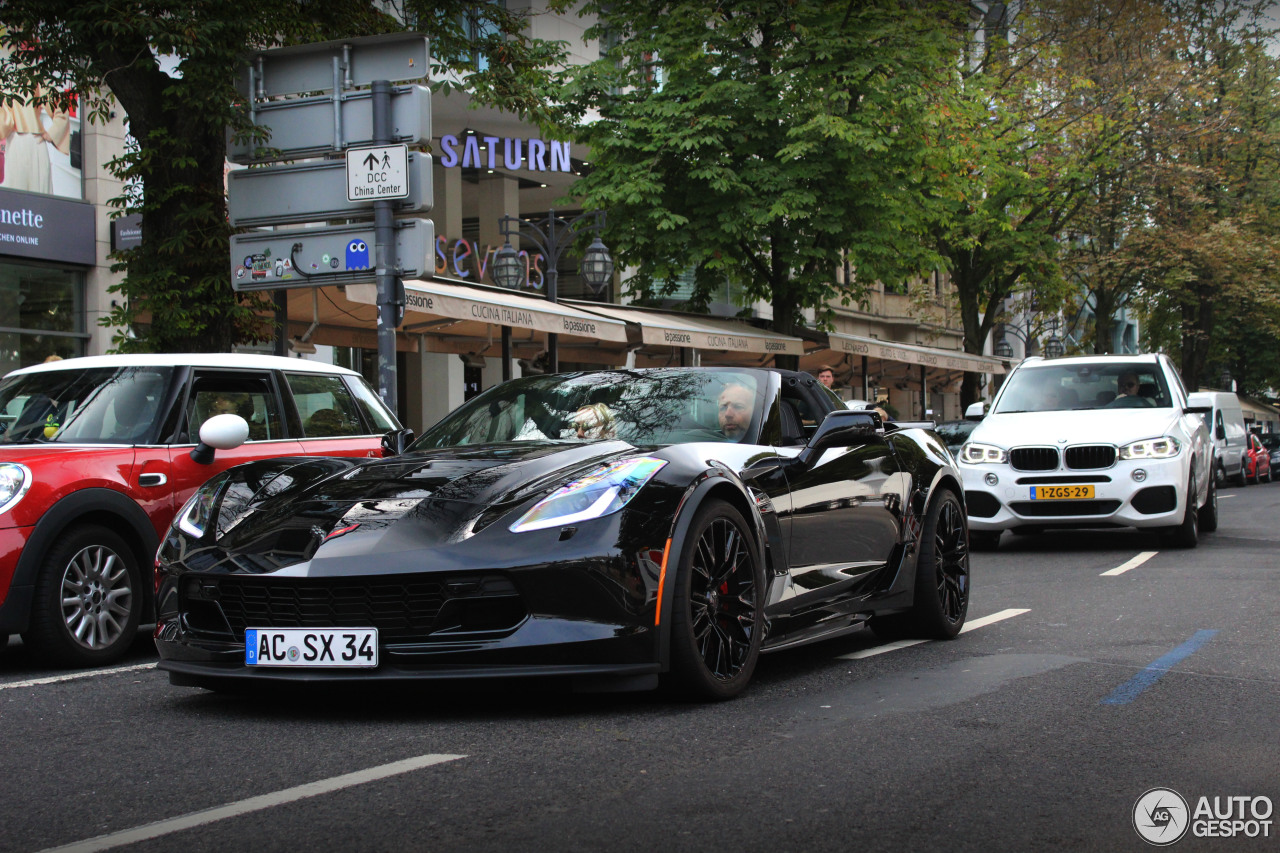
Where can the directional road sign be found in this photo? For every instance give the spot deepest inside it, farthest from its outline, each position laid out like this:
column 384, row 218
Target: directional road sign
column 342, row 64
column 335, row 254
column 377, row 173
column 314, row 192
column 307, row 127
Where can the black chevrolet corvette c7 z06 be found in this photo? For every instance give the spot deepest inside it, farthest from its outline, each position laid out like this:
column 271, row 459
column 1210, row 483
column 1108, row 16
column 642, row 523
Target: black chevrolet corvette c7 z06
column 615, row 527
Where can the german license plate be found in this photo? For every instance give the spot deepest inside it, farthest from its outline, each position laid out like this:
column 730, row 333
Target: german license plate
column 1061, row 493
column 346, row 647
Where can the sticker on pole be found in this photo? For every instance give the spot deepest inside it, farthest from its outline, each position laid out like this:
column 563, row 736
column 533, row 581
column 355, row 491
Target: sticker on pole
column 374, row 174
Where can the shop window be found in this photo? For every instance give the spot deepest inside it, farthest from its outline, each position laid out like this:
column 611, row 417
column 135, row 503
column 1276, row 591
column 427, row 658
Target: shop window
column 41, row 315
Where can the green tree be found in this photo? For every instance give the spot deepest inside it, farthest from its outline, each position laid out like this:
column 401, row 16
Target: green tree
column 765, row 142
column 171, row 67
column 1052, row 111
column 1130, row 75
column 1217, row 212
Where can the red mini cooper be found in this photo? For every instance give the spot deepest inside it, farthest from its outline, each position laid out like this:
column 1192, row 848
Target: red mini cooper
column 98, row 453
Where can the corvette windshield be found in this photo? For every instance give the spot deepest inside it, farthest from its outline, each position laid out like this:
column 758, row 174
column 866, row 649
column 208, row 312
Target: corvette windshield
column 95, row 406
column 1057, row 388
column 641, row 407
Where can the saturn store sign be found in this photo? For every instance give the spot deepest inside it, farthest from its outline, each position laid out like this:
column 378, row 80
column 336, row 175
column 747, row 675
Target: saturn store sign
column 534, row 155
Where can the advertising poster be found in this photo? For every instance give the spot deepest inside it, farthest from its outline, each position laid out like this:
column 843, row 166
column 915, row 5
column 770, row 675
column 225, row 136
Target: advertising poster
column 39, row 149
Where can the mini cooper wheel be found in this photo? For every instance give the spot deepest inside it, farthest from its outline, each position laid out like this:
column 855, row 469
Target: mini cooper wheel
column 718, row 611
column 1209, row 512
column 87, row 600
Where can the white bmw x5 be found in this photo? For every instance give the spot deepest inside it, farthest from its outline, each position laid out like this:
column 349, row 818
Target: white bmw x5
column 1090, row 442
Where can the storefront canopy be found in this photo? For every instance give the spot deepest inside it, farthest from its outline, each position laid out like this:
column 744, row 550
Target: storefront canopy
column 477, row 304
column 673, row 329
column 929, row 357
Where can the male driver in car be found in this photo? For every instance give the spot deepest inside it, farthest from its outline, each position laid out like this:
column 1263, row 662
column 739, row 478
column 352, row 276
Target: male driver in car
column 1127, row 385
column 736, row 403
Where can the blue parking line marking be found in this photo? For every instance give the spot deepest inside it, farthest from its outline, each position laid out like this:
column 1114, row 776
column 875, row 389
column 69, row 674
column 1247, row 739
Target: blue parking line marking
column 1130, row 690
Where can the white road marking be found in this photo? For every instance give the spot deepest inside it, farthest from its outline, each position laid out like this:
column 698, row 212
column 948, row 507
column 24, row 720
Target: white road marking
column 1132, row 564
column 265, row 801
column 879, row 650
column 902, row 644
column 72, row 676
column 998, row 616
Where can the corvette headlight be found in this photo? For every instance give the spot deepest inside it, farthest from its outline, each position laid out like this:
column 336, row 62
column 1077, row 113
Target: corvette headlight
column 15, row 479
column 605, row 490
column 194, row 516
column 1152, row 448
column 974, row 453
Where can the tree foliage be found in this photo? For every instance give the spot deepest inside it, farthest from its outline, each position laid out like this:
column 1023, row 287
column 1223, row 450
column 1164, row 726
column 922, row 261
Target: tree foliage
column 1213, row 292
column 765, row 142
column 171, row 67
column 1054, row 101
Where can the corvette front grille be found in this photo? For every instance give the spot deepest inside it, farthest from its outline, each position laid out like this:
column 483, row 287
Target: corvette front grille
column 403, row 609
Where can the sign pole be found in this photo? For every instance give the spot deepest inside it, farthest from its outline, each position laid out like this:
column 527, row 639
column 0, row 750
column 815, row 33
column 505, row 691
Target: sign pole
column 390, row 287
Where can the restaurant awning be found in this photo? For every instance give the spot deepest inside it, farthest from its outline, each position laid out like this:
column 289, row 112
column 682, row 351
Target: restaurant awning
column 929, row 357
column 673, row 329
column 486, row 305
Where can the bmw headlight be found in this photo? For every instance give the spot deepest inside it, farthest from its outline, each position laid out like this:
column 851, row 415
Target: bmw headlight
column 975, row 453
column 194, row 516
column 15, row 479
column 605, row 490
column 1164, row 447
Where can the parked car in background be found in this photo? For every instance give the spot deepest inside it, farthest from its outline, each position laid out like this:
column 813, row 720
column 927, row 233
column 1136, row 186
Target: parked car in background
column 96, row 455
column 612, row 527
column 1271, row 441
column 1090, row 441
column 1225, row 421
column 955, row 433
column 1258, row 467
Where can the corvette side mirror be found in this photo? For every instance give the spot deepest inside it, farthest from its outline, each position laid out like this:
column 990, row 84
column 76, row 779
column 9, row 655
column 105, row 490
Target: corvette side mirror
column 840, row 429
column 220, row 432
column 396, row 442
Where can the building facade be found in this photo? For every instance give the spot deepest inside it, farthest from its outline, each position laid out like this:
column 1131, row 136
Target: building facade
column 896, row 348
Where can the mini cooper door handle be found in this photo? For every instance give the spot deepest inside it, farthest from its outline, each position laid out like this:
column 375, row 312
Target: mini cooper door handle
column 150, row 480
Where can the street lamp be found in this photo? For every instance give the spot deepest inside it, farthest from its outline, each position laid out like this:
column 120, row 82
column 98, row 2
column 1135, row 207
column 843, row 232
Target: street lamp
column 552, row 235
column 1226, row 379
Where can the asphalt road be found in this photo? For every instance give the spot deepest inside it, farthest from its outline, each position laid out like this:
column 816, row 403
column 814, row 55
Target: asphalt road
column 1040, row 729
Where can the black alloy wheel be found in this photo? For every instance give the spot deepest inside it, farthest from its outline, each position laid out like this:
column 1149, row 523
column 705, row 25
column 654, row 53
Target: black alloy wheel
column 941, row 600
column 717, row 617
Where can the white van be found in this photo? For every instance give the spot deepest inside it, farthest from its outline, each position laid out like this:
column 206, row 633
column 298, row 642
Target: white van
column 1226, row 426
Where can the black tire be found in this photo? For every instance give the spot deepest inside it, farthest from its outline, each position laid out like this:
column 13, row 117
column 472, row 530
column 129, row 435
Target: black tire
column 1242, row 478
column 984, row 540
column 88, row 600
column 1187, row 534
column 1219, row 473
column 717, row 617
column 942, row 570
column 1209, row 512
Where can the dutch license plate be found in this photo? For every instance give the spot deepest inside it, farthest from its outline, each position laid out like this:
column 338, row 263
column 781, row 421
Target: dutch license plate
column 355, row 647
column 1061, row 493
